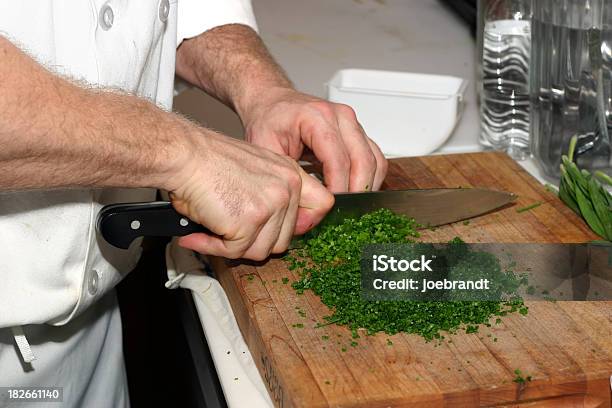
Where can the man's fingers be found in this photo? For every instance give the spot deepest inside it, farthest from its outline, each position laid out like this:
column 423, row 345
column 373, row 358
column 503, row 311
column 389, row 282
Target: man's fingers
column 315, row 203
column 212, row 245
column 266, row 240
column 381, row 165
column 323, row 138
column 290, row 219
column 226, row 247
column 363, row 161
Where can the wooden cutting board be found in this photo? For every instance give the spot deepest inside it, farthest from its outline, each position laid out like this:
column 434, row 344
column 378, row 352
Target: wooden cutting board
column 566, row 346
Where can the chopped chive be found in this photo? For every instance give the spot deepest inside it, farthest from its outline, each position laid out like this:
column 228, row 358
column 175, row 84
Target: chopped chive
column 529, row 207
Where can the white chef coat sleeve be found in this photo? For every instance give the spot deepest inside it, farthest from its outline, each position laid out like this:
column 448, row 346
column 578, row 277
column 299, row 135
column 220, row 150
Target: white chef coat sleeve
column 198, row 16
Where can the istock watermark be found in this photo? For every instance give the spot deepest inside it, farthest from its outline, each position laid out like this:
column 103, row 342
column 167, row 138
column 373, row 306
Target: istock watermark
column 387, row 263
column 479, row 272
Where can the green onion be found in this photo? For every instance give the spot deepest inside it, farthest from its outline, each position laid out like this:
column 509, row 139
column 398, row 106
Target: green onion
column 585, row 194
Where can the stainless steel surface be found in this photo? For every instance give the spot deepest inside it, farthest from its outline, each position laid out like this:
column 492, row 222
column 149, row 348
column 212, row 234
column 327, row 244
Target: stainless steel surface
column 429, row 207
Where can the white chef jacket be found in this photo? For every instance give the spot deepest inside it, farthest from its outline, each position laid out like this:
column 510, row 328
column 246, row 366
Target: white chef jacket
column 53, row 265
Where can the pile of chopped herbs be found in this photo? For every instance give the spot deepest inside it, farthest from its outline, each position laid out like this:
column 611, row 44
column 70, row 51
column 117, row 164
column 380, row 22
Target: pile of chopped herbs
column 585, row 194
column 329, row 265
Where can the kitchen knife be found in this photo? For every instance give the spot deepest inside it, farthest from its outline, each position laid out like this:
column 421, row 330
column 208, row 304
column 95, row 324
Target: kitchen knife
column 120, row 224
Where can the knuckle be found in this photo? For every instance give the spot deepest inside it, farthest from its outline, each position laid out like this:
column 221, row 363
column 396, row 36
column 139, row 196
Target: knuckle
column 258, row 212
column 323, row 107
column 280, row 197
column 346, row 111
column 294, row 181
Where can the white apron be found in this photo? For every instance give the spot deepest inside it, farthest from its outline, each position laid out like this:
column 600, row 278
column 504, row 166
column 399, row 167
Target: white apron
column 53, row 266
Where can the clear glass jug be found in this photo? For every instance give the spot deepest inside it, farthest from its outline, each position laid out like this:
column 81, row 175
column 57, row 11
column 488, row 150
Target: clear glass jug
column 571, row 82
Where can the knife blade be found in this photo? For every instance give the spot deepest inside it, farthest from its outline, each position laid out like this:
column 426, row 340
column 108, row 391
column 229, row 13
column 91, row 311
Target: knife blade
column 120, row 224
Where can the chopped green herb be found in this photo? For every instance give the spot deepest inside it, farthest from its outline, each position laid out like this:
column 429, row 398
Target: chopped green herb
column 519, row 379
column 529, row 207
column 250, row 277
column 466, row 222
column 324, row 337
column 298, row 325
column 389, row 342
column 285, row 281
column 329, row 266
column 354, row 344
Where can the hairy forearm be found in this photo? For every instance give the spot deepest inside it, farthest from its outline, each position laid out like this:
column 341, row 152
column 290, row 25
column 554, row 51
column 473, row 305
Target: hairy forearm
column 55, row 134
column 231, row 63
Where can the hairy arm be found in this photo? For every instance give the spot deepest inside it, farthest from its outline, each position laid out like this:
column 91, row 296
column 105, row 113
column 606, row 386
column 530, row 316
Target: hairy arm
column 231, row 63
column 56, row 134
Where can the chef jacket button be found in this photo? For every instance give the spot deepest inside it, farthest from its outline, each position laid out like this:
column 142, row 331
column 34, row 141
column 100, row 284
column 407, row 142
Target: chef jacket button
column 92, row 285
column 107, row 17
column 164, row 10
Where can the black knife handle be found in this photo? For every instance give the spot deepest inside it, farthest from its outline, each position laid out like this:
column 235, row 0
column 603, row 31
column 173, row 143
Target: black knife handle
column 120, row 224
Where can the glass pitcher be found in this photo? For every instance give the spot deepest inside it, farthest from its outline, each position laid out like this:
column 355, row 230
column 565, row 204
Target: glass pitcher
column 571, row 82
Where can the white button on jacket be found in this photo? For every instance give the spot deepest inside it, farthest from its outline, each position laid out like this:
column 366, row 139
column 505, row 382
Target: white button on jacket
column 53, row 266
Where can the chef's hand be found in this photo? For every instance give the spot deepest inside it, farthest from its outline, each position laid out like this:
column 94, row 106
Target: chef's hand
column 287, row 121
column 253, row 199
column 232, row 63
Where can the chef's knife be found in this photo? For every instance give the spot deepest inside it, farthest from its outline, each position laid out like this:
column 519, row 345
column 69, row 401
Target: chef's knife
column 120, row 224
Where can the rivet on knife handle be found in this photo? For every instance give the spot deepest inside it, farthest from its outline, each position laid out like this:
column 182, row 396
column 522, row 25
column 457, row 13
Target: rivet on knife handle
column 120, row 224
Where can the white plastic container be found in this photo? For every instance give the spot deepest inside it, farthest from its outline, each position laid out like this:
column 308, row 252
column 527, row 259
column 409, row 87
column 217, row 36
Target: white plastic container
column 406, row 114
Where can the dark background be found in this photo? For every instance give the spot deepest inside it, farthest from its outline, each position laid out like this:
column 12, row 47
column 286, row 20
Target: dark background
column 159, row 366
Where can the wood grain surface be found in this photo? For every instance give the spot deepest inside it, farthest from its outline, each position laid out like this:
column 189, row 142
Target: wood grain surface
column 566, row 346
